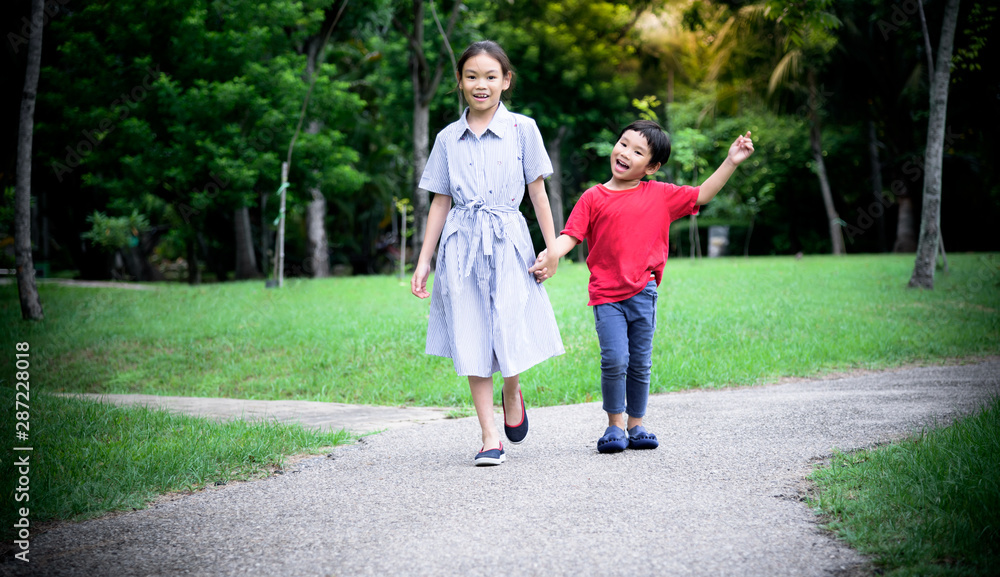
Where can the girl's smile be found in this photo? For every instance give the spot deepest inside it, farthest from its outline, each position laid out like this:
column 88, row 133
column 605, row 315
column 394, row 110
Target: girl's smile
column 482, row 82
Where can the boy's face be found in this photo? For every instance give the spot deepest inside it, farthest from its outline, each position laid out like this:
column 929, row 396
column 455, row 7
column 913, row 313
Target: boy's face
column 630, row 157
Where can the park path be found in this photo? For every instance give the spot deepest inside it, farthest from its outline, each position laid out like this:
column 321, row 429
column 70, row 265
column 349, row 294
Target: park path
column 325, row 416
column 723, row 495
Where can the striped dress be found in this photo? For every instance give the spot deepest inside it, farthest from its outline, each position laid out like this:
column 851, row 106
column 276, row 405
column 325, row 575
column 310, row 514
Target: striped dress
column 487, row 312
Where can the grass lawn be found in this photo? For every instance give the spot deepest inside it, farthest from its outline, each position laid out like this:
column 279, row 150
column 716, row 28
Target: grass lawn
column 721, row 322
column 89, row 458
column 927, row 506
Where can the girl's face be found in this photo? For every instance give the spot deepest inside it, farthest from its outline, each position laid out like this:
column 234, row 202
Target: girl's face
column 482, row 81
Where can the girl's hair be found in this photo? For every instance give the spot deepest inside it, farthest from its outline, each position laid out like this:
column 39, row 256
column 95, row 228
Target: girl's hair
column 493, row 50
column 658, row 141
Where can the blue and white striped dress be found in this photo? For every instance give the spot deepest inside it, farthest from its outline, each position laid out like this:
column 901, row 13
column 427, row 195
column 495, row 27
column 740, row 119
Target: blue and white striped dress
column 487, row 312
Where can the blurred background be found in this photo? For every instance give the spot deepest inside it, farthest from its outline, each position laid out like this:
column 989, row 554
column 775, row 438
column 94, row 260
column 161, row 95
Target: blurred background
column 161, row 127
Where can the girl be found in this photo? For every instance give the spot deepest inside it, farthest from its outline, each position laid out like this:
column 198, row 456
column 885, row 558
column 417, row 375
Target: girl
column 488, row 313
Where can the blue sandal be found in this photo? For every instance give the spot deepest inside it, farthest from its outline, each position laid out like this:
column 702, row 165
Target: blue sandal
column 639, row 438
column 613, row 441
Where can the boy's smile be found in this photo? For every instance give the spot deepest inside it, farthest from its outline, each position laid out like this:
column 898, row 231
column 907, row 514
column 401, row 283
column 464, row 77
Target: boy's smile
column 630, row 161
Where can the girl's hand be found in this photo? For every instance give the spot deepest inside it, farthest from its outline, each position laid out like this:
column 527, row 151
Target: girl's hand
column 418, row 284
column 741, row 149
column 544, row 267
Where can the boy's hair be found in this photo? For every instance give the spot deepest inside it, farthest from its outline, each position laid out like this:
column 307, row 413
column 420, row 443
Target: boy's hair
column 658, row 141
column 493, row 50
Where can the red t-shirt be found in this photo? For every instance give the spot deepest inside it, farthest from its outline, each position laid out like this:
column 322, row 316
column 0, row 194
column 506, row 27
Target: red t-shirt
column 628, row 234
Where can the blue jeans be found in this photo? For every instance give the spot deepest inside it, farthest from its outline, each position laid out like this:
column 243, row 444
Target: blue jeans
column 625, row 330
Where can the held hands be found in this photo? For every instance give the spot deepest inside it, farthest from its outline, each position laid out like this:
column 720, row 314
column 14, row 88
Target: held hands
column 544, row 267
column 741, row 149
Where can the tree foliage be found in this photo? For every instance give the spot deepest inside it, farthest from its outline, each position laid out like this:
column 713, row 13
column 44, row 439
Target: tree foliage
column 180, row 113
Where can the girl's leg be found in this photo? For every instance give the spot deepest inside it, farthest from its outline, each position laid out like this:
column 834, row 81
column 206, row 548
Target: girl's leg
column 482, row 398
column 512, row 400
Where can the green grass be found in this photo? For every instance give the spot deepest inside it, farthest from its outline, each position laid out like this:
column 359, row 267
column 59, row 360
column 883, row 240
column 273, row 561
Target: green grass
column 927, row 506
column 721, row 322
column 89, row 458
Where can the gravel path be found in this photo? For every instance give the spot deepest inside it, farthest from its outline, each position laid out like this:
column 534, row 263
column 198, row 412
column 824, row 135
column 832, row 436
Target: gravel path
column 721, row 496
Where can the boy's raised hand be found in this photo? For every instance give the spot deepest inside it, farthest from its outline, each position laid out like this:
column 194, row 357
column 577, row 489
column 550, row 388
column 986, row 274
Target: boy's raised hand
column 741, row 149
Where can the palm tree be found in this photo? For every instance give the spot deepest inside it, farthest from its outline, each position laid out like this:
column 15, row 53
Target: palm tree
column 807, row 45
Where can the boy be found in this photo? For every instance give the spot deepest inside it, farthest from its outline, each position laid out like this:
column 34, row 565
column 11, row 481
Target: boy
column 627, row 221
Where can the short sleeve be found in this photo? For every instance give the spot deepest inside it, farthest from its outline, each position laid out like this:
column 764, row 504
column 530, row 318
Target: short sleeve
column 682, row 201
column 578, row 223
column 436, row 178
column 536, row 159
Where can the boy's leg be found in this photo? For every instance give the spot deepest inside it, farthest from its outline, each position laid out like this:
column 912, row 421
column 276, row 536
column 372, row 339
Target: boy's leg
column 482, row 398
column 612, row 332
column 640, row 311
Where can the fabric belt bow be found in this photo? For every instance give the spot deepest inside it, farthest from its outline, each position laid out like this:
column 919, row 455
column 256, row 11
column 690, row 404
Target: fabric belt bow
column 483, row 219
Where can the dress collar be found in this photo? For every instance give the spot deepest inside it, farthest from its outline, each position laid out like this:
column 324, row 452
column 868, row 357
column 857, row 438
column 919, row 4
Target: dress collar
column 502, row 119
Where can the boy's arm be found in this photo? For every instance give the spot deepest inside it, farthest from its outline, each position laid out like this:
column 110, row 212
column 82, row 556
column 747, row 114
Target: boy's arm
column 548, row 259
column 739, row 151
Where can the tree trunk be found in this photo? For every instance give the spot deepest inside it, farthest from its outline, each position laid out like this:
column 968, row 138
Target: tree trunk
column 317, row 264
column 31, row 306
column 906, row 232
column 147, row 245
column 693, row 237
column 194, row 272
column 246, row 261
column 930, row 221
column 670, row 85
column 425, row 84
column 421, row 144
column 317, row 251
column 815, row 139
column 555, row 183
column 212, row 261
column 265, row 235
column 876, row 169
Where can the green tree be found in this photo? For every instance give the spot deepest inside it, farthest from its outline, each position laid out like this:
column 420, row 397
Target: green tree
column 809, row 40
column 576, row 68
column 210, row 96
column 428, row 66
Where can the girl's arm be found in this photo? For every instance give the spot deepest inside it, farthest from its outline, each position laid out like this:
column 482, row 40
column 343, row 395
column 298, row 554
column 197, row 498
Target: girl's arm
column 543, row 212
column 436, row 217
column 739, row 151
